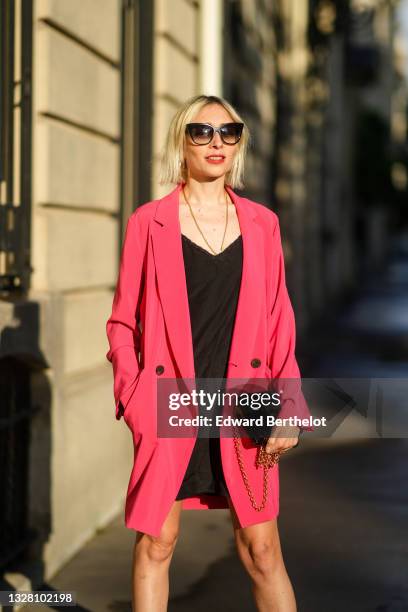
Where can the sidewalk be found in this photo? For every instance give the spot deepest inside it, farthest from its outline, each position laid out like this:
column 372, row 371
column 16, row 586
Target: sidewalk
column 341, row 532
column 100, row 574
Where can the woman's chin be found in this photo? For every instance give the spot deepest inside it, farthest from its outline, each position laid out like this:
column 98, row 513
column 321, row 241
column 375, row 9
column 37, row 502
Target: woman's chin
column 209, row 174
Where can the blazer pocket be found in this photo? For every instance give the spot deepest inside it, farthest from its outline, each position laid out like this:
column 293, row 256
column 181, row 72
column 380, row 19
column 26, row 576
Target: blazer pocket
column 130, row 410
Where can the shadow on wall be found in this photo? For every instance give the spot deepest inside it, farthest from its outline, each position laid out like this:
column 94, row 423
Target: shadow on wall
column 25, row 443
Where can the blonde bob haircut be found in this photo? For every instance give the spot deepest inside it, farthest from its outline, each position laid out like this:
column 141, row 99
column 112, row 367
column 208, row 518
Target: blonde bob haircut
column 172, row 163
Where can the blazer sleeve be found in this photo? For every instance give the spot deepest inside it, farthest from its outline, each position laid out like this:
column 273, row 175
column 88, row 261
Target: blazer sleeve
column 122, row 326
column 282, row 340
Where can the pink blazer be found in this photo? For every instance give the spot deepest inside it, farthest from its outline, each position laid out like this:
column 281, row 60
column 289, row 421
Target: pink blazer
column 149, row 333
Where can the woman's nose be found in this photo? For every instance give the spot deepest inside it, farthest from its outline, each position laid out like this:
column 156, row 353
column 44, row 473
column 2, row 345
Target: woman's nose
column 217, row 140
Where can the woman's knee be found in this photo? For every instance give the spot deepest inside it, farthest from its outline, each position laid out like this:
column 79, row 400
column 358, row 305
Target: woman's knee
column 260, row 556
column 158, row 549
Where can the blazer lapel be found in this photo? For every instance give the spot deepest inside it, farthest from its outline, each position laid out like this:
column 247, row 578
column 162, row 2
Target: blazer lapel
column 252, row 290
column 172, row 286
column 171, row 280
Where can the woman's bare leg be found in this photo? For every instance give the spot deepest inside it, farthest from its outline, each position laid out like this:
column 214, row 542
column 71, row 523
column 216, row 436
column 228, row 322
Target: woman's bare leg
column 260, row 552
column 151, row 562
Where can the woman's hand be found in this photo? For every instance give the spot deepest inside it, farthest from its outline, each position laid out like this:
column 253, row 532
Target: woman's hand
column 284, row 438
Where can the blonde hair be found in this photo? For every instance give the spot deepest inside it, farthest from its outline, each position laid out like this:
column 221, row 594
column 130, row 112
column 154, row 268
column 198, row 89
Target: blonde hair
column 172, row 167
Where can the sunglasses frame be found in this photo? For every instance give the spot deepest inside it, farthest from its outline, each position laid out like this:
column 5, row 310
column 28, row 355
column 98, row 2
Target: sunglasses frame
column 214, row 130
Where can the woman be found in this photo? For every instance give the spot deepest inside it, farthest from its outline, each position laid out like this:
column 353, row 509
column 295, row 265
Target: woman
column 201, row 293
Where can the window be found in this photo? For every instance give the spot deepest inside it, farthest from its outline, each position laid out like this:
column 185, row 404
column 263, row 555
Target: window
column 137, row 104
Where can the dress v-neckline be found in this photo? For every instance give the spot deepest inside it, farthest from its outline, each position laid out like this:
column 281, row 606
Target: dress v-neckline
column 208, row 252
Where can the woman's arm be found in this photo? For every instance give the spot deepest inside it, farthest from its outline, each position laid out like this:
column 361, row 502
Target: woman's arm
column 282, row 340
column 122, row 326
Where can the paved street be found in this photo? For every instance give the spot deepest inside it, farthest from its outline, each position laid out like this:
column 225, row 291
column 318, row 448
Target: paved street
column 344, row 503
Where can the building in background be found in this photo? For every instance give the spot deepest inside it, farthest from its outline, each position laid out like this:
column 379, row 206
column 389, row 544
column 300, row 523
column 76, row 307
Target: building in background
column 87, row 93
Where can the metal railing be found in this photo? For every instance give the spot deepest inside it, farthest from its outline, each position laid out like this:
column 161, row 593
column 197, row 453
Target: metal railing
column 15, row 129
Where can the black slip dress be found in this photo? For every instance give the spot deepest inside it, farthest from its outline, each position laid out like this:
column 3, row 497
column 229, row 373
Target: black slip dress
column 213, row 284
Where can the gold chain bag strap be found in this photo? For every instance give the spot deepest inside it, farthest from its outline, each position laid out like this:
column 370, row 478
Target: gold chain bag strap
column 263, row 459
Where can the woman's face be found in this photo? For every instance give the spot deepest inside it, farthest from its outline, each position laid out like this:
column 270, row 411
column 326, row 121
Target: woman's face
column 198, row 157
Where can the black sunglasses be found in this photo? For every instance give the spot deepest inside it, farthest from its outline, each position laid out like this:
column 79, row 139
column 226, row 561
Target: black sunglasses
column 203, row 133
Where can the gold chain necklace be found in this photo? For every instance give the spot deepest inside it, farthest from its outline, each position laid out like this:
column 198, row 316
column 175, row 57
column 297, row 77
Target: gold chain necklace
column 198, row 227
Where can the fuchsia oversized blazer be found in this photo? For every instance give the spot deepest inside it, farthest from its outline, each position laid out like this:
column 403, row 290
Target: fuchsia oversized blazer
column 149, row 333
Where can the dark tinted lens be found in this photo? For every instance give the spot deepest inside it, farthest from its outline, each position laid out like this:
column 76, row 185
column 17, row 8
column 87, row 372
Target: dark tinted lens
column 200, row 133
column 231, row 132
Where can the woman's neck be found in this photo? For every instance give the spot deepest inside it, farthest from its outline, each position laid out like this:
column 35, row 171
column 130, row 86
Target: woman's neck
column 210, row 193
